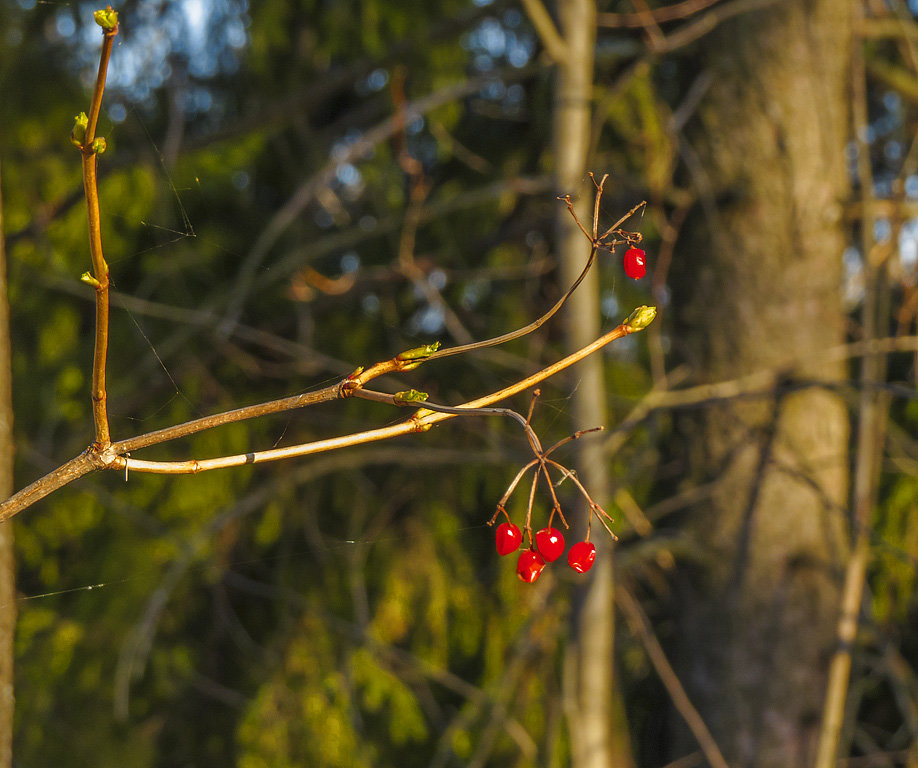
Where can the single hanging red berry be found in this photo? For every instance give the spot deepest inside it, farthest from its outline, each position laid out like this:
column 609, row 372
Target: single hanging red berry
column 529, row 566
column 508, row 538
column 550, row 543
column 635, row 264
column 581, row 556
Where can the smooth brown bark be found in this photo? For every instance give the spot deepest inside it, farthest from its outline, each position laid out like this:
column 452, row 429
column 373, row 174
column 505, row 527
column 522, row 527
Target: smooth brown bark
column 757, row 281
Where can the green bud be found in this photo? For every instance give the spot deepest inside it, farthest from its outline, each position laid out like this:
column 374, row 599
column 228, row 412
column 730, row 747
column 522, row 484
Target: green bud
column 78, row 132
column 410, row 396
column 641, row 318
column 98, row 145
column 106, row 18
column 419, row 353
column 87, row 278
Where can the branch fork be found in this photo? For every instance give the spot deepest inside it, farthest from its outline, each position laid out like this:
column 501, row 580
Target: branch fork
column 540, row 464
column 103, row 453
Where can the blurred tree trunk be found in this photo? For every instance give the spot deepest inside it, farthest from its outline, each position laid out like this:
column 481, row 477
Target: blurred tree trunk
column 599, row 732
column 758, row 282
column 7, row 569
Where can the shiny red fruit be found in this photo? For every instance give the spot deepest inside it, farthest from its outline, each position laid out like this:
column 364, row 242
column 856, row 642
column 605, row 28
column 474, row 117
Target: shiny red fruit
column 508, row 538
column 581, row 556
column 635, row 264
column 550, row 543
column 529, row 566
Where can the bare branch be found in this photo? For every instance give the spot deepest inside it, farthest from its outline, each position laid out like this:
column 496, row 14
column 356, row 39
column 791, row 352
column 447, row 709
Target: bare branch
column 656, row 15
column 422, row 421
column 89, row 149
column 547, row 30
column 65, row 474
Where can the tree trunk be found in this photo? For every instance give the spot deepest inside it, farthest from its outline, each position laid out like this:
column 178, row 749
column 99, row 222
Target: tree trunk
column 757, row 282
column 599, row 733
column 7, row 569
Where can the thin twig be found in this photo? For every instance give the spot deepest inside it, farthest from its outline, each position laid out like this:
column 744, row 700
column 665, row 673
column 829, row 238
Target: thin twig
column 89, row 152
column 601, row 242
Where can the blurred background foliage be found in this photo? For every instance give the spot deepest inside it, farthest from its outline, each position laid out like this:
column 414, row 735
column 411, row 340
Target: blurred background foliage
column 348, row 609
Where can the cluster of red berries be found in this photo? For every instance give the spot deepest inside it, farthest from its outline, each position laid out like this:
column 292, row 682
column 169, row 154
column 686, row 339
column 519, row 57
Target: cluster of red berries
column 635, row 263
column 548, row 547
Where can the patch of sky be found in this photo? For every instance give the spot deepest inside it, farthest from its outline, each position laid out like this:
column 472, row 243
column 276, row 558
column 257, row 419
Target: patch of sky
column 428, row 320
column 350, row 262
column 893, row 150
column 341, row 149
column 882, row 230
column 473, row 293
column 885, row 125
column 908, row 244
column 853, row 278
column 370, row 304
column 202, row 38
column 892, row 101
column 609, row 305
column 377, row 79
column 117, row 112
column 514, row 98
column 437, row 279
column 494, row 90
column 347, row 174
column 495, row 40
column 482, row 62
column 664, row 296
column 883, row 186
column 623, row 349
column 65, row 23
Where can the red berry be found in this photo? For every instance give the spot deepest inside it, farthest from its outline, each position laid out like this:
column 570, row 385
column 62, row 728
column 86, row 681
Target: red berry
column 529, row 566
column 550, row 543
column 581, row 556
column 635, row 265
column 508, row 538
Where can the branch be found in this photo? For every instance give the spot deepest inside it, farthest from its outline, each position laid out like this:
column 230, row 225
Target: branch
column 422, row 420
column 55, row 479
column 689, row 33
column 656, row 15
column 83, row 136
column 117, row 456
column 546, row 30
